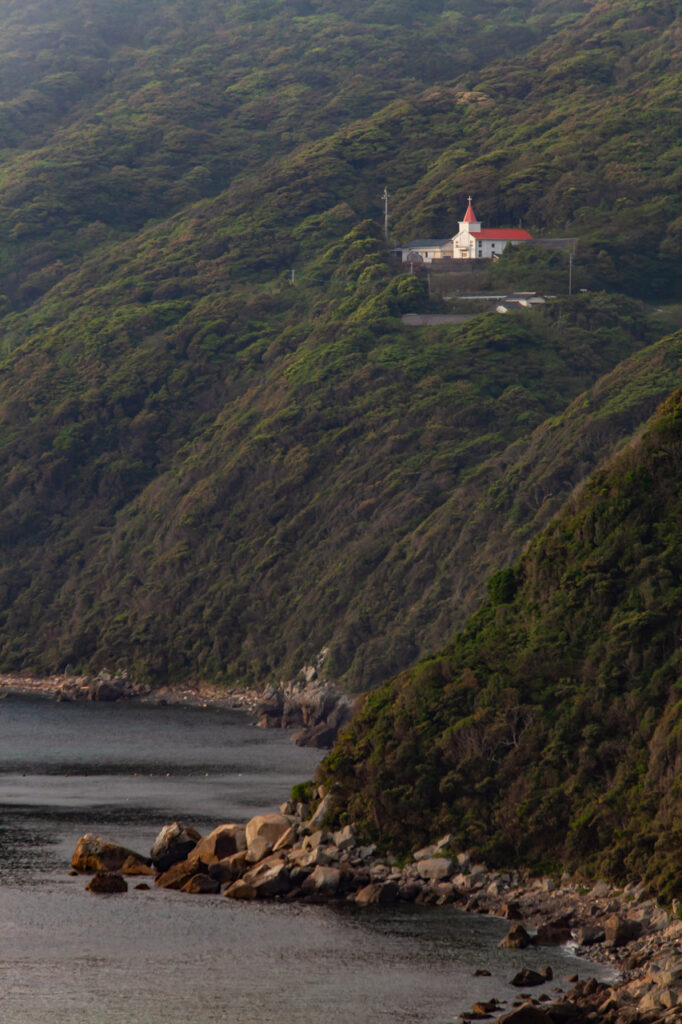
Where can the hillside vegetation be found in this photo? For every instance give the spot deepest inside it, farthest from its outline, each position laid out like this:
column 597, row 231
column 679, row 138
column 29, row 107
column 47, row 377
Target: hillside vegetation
column 209, row 472
column 549, row 731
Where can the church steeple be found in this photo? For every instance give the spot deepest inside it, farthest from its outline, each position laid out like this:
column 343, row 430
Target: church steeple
column 470, row 216
column 470, row 222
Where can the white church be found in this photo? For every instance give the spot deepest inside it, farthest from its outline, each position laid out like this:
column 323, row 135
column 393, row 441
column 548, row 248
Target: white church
column 472, row 242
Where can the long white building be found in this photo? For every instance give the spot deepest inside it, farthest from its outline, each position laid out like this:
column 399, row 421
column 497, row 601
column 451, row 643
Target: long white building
column 472, row 242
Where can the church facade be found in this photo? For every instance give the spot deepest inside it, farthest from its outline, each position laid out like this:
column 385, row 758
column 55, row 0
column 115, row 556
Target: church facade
column 472, row 242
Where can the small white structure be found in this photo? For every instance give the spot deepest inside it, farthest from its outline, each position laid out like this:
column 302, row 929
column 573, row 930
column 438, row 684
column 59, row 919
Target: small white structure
column 472, row 242
column 425, row 250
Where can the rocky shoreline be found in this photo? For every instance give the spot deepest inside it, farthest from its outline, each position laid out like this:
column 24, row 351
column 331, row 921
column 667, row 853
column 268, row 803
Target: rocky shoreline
column 308, row 705
column 289, row 856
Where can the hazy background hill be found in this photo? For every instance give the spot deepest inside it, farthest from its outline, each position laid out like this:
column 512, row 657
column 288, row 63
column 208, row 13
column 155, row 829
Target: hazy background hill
column 208, row 472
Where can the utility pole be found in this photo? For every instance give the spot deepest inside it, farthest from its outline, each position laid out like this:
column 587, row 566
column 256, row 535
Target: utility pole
column 385, row 198
column 292, row 276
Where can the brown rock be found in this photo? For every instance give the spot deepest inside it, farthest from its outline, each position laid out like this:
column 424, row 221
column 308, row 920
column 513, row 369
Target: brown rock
column 107, row 882
column 142, row 885
column 527, row 978
column 286, row 840
column 201, row 884
column 237, row 864
column 241, row 890
column 553, row 935
column 222, row 842
column 270, row 826
column 512, row 911
column 95, row 854
column 619, row 931
column 377, row 892
column 516, row 938
column 526, row 1014
column 177, row 875
column 135, row 865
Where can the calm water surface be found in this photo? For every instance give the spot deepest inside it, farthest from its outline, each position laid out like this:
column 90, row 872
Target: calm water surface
column 161, row 957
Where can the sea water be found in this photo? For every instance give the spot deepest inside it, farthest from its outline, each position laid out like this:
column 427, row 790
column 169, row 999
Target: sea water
column 162, row 957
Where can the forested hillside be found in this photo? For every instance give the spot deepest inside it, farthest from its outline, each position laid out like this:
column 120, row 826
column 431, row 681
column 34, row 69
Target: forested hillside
column 548, row 732
column 209, row 472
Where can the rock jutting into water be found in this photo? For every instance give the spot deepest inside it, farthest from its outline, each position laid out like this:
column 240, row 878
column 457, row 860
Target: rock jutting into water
column 289, row 856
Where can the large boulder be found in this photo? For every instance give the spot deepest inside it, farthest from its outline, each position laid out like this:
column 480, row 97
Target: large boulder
column 269, row 878
column 258, row 849
column 201, row 884
column 377, row 892
column 95, row 854
column 222, row 842
column 241, row 890
column 435, row 868
column 269, row 826
column 177, row 875
column 516, row 938
column 619, row 931
column 107, row 882
column 173, row 844
column 526, row 978
column 323, row 881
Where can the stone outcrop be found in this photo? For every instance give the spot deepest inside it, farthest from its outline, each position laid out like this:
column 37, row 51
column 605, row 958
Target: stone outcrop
column 95, row 854
column 308, row 704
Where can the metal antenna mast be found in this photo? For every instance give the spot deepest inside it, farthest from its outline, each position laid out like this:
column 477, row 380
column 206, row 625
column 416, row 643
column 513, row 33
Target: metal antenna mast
column 385, row 198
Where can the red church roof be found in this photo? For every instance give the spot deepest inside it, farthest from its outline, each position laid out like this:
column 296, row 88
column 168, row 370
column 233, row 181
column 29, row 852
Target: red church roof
column 470, row 216
column 501, row 234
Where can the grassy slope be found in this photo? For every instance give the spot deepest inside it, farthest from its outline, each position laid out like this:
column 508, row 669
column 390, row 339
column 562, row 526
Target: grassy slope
column 548, row 732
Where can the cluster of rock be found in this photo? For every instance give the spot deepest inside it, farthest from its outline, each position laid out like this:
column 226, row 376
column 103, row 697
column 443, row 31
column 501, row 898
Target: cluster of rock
column 103, row 687
column 308, row 704
column 290, row 856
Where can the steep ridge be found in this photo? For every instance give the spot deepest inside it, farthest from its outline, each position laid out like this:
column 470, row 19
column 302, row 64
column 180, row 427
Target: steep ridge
column 548, row 732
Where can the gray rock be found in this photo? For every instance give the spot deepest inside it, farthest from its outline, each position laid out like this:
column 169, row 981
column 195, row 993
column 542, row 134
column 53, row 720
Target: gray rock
column 344, row 839
column 173, row 844
column 323, row 809
column 322, row 881
column 426, row 853
column 435, row 868
column 260, row 847
column 269, row 878
column 589, row 935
